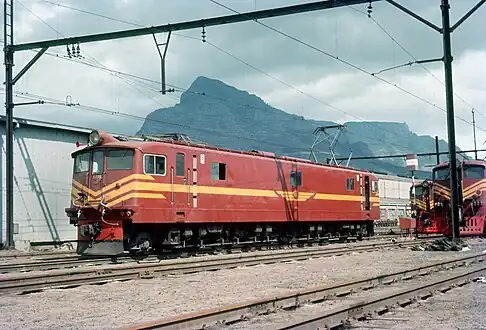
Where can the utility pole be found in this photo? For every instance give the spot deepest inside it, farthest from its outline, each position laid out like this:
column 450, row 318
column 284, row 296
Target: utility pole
column 446, row 31
column 474, row 135
column 446, row 34
column 437, row 152
column 9, row 63
column 11, row 48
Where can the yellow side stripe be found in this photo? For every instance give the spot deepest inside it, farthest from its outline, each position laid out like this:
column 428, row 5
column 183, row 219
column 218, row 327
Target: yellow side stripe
column 160, row 188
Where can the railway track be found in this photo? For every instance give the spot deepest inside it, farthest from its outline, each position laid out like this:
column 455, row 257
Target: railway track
column 57, row 263
column 380, row 234
column 73, row 261
column 471, row 266
column 28, row 283
column 47, row 254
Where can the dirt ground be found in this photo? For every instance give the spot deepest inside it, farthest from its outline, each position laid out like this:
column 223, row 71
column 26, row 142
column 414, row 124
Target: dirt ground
column 124, row 303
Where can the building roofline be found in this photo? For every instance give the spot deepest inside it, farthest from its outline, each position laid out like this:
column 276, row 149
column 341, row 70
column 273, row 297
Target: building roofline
column 45, row 124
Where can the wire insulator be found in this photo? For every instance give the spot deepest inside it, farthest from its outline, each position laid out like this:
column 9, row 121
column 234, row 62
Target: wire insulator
column 203, row 34
column 370, row 10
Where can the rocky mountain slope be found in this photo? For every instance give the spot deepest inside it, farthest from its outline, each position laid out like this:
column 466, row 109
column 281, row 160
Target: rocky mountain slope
column 218, row 114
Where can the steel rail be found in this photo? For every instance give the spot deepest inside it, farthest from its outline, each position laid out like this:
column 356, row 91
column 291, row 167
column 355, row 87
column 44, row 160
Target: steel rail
column 47, row 255
column 50, row 264
column 28, row 283
column 362, row 311
column 234, row 313
column 72, row 254
column 37, row 254
column 45, row 264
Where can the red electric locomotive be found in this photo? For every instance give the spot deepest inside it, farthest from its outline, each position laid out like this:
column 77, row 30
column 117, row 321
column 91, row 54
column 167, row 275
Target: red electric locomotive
column 158, row 193
column 472, row 183
column 422, row 207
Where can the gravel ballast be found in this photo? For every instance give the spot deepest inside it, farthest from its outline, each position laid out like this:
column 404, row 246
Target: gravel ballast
column 120, row 304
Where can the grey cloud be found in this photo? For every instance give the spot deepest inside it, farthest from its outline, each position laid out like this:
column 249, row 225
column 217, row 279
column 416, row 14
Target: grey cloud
column 359, row 40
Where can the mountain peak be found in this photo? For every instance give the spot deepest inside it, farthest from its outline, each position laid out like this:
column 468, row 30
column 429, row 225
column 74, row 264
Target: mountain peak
column 204, row 89
column 203, row 82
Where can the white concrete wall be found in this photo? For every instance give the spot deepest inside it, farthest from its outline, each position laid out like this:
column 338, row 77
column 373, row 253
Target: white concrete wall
column 42, row 183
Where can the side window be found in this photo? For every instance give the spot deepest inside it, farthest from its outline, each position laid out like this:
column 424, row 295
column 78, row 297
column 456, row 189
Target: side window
column 375, row 187
column 149, row 164
column 119, row 159
column 154, row 164
column 218, row 171
column 295, row 179
column 180, row 164
column 81, row 162
column 349, row 184
column 98, row 161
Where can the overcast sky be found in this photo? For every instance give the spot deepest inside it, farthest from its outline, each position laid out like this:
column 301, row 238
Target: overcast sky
column 331, row 89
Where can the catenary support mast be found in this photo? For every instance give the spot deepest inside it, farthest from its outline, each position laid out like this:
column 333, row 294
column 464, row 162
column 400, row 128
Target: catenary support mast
column 474, row 135
column 446, row 31
column 9, row 62
column 446, row 34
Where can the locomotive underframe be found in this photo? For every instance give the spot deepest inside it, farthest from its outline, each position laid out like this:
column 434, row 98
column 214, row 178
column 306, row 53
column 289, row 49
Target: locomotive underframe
column 165, row 237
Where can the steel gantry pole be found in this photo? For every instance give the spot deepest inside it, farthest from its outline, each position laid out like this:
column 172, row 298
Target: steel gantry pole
column 9, row 63
column 474, row 135
column 451, row 131
column 446, row 31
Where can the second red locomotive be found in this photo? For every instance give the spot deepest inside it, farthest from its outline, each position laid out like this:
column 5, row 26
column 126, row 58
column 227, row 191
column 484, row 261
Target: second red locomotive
column 138, row 194
column 472, row 196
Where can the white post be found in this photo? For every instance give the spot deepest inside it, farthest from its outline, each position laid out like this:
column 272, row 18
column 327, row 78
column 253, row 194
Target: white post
column 413, row 185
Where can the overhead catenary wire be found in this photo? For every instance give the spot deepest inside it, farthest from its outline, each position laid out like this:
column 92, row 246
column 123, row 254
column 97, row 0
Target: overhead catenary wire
column 229, row 54
column 416, row 61
column 348, row 63
column 222, row 50
column 280, row 32
column 54, row 101
column 92, row 58
column 233, row 102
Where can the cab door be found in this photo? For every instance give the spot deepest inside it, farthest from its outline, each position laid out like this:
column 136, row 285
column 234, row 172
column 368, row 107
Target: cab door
column 293, row 196
column 81, row 174
column 96, row 177
column 181, row 178
column 367, row 192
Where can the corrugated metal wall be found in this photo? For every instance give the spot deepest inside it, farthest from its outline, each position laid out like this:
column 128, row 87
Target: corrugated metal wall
column 394, row 189
column 42, row 183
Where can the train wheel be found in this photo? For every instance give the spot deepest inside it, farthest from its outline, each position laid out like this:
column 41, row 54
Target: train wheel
column 142, row 243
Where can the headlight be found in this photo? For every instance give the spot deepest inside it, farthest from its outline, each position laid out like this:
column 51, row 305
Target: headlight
column 94, row 138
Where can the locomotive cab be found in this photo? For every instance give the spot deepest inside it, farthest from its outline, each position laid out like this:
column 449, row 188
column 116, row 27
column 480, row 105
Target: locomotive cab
column 98, row 169
column 473, row 174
